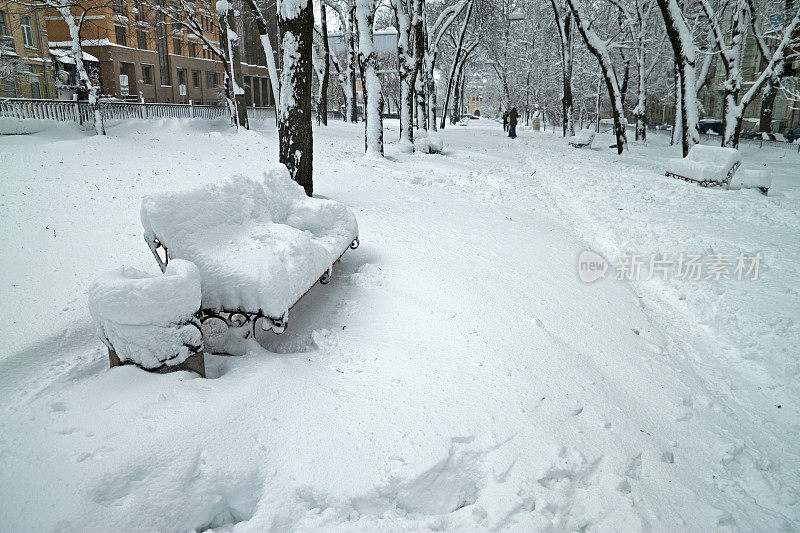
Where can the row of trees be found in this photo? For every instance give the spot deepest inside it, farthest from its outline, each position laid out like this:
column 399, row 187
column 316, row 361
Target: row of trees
column 523, row 53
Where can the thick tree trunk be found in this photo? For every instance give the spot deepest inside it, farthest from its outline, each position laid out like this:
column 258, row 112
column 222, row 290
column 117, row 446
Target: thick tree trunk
column 768, row 103
column 80, row 68
column 420, row 82
column 564, row 26
column 322, row 107
column 405, row 64
column 685, row 52
column 294, row 119
column 373, row 96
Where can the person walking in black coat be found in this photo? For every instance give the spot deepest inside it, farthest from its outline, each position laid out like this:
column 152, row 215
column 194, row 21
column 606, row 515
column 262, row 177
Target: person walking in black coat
column 512, row 123
column 505, row 120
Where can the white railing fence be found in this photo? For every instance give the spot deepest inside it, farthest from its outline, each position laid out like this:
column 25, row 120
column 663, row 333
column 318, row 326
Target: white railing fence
column 83, row 113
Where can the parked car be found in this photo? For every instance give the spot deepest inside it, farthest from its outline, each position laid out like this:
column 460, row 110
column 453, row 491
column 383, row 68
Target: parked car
column 793, row 135
column 468, row 116
column 708, row 125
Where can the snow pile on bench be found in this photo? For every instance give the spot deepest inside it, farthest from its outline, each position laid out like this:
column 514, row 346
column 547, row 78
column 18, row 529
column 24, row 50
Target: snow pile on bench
column 582, row 139
column 427, row 142
column 708, row 165
column 751, row 178
column 259, row 244
column 145, row 318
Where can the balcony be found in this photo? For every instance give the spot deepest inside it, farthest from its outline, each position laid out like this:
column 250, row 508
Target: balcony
column 7, row 45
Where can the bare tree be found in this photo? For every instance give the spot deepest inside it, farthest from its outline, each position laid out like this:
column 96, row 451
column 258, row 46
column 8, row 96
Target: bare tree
column 563, row 18
column 730, row 49
column 599, row 48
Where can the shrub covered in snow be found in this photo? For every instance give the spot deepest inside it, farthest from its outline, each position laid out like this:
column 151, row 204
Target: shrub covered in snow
column 259, row 244
column 145, row 318
column 427, row 142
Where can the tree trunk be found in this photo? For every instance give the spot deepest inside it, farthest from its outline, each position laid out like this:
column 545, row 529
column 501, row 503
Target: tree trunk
column 419, row 56
column 768, row 103
column 685, row 52
column 677, row 121
column 352, row 47
column 80, row 68
column 266, row 44
column 322, row 107
column 598, row 48
column 405, row 66
column 640, row 111
column 235, row 81
column 373, row 96
column 294, row 119
column 456, row 58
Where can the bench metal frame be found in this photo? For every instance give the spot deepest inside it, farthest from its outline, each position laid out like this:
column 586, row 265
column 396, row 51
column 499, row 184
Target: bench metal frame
column 251, row 321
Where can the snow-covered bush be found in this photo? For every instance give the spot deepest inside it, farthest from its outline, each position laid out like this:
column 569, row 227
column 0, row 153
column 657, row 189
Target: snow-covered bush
column 427, row 142
column 144, row 318
column 259, row 244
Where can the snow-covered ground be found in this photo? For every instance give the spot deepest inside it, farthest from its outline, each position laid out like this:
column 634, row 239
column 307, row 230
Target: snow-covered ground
column 455, row 374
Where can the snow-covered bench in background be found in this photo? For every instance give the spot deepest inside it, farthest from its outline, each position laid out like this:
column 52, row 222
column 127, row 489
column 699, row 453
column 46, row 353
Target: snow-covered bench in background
column 710, row 166
column 150, row 321
column 583, row 139
column 259, row 245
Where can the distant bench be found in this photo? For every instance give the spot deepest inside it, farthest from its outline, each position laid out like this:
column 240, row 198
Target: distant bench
column 583, row 139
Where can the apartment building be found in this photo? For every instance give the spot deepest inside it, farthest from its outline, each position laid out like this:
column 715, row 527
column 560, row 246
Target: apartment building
column 25, row 63
column 145, row 55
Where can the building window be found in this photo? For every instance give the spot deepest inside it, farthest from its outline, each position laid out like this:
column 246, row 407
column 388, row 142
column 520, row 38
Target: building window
column 147, row 74
column 209, row 80
column 176, row 46
column 119, row 9
column 3, row 23
column 191, row 49
column 36, row 92
column 196, row 79
column 181, row 77
column 27, row 31
column 141, row 39
column 119, row 33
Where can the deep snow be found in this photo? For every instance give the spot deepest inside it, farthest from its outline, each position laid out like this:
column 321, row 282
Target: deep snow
column 454, row 374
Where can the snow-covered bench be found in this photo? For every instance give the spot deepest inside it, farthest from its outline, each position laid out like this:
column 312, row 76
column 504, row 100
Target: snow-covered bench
column 583, row 139
column 150, row 321
column 259, row 245
column 427, row 142
column 710, row 166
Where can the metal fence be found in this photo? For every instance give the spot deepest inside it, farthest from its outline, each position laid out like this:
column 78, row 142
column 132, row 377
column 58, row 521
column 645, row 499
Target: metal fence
column 83, row 113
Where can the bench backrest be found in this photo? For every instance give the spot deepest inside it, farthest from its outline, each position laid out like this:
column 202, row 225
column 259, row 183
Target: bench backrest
column 172, row 216
column 714, row 155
